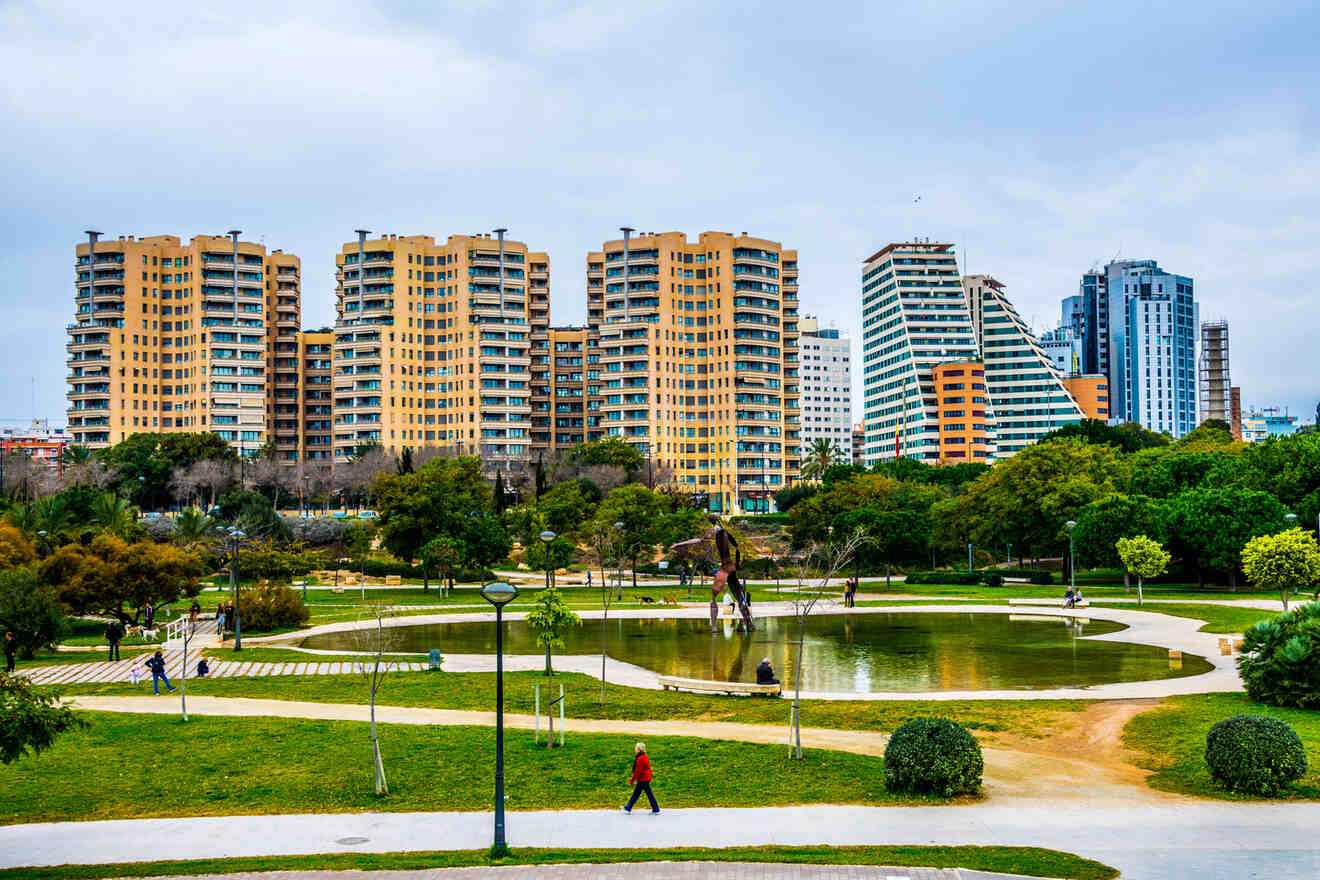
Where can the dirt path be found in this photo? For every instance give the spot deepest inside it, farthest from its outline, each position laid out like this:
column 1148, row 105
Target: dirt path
column 1081, row 761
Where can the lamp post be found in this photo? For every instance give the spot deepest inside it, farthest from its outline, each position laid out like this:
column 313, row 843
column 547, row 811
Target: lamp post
column 619, row 526
column 969, row 556
column 235, row 535
column 499, row 594
column 546, row 537
column 45, row 545
column 1072, row 565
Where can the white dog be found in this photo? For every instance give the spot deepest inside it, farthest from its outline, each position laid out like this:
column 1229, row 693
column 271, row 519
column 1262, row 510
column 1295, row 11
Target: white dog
column 150, row 635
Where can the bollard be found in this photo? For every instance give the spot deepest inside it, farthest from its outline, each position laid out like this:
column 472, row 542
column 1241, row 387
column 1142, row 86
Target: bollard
column 561, row 715
column 538, row 713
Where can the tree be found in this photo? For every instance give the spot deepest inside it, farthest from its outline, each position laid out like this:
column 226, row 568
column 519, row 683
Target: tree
column 604, row 545
column 565, row 507
column 888, row 537
column 611, row 451
column 16, row 548
column 115, row 578
column 822, row 453
column 192, row 527
column 1128, row 437
column 1144, row 558
column 485, row 541
column 1209, row 527
column 113, row 515
column 376, row 641
column 560, row 552
column 30, row 718
column 436, row 499
column 1284, row 562
column 444, row 556
column 638, row 508
column 1102, row 522
column 31, row 612
column 357, row 541
column 550, row 616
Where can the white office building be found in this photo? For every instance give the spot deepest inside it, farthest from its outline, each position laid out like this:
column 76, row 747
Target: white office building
column 826, row 374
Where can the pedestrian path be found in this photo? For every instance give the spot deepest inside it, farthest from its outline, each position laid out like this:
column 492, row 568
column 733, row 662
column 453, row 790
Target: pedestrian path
column 1186, row 841
column 633, row 870
column 106, row 671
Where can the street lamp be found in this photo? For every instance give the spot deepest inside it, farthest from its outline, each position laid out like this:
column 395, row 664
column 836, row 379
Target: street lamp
column 619, row 526
column 499, row 594
column 45, row 545
column 1072, row 566
column 235, row 535
column 546, row 537
column 1290, row 517
column 969, row 556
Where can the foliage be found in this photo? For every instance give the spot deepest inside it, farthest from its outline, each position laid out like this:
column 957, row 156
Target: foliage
column 565, row 507
column 788, row 496
column 1254, row 754
column 113, row 515
column 933, row 755
column 192, row 526
column 30, row 718
column 271, row 607
column 610, row 451
column 1208, row 527
column 30, row 611
column 811, row 519
column 639, row 509
column 1102, row 522
column 1280, row 659
column 265, row 560
column 1162, row 473
column 1128, row 437
column 822, row 454
column 1284, row 562
column 485, row 542
column 357, row 539
column 111, row 573
column 315, row 531
column 439, row 498
column 1142, row 556
column 561, row 552
column 965, row 578
column 442, row 555
column 549, row 618
column 16, row 548
column 254, row 514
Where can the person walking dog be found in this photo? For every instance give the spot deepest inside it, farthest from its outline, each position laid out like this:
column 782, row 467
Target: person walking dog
column 641, row 780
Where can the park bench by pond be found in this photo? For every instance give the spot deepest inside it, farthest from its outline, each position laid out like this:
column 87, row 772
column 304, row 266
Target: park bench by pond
column 732, row 688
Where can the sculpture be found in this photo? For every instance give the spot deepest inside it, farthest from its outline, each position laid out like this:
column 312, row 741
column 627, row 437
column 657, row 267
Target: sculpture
column 726, row 545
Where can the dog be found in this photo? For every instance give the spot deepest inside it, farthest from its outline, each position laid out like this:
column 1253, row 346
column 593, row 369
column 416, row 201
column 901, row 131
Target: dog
column 150, row 635
column 646, row 600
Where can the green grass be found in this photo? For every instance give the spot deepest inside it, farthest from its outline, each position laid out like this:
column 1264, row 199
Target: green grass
column 1218, row 618
column 475, row 690
column 1028, row 861
column 126, row 766
column 1171, row 740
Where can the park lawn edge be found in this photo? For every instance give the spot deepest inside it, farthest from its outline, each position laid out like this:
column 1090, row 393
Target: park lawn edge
column 1025, row 861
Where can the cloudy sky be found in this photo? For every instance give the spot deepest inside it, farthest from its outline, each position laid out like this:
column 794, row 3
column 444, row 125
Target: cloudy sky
column 1042, row 138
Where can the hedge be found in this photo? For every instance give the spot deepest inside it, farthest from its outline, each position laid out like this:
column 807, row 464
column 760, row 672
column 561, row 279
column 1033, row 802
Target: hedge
column 1254, row 754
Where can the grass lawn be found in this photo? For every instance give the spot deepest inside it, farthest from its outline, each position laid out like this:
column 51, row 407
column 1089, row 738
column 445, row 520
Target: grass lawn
column 125, row 766
column 1172, row 740
column 1218, row 618
column 1027, row 861
column 475, row 690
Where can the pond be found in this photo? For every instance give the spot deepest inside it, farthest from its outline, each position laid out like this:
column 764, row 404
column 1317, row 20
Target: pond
column 899, row 651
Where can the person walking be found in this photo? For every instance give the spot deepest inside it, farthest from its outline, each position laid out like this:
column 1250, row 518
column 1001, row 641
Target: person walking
column 193, row 613
column 149, row 617
column 114, row 634
column 641, row 779
column 220, row 620
column 157, row 666
column 11, row 648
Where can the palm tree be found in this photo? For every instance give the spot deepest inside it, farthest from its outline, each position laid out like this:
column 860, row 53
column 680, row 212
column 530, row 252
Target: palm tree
column 113, row 514
column 193, row 527
column 822, row 454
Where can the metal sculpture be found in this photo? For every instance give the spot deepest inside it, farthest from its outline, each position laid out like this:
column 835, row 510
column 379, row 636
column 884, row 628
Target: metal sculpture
column 726, row 577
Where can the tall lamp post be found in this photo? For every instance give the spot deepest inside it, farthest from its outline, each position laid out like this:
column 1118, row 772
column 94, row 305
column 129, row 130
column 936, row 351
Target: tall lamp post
column 546, row 537
column 1072, row 565
column 499, row 594
column 235, row 535
column 969, row 556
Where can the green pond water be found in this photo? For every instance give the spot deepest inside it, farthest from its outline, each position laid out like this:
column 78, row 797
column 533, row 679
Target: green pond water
column 843, row 652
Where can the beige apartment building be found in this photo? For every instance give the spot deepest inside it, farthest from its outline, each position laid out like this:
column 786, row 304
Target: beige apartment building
column 559, row 400
column 316, row 398
column 168, row 336
column 696, row 360
column 432, row 344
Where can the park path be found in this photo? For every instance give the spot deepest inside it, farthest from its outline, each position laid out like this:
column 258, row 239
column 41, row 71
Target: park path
column 1204, row 840
column 633, row 870
column 1021, row 774
column 103, row 671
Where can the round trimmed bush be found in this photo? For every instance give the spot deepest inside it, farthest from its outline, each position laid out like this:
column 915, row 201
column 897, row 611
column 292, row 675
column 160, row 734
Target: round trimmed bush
column 1254, row 754
column 933, row 755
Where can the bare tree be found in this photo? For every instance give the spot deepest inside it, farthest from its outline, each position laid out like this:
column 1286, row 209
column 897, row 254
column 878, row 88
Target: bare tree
column 185, row 485
column 656, row 472
column 818, row 565
column 602, row 540
column 376, row 641
column 268, row 473
column 213, row 475
column 606, row 476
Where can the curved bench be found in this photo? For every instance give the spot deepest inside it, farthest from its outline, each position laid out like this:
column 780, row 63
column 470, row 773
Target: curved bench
column 732, row 688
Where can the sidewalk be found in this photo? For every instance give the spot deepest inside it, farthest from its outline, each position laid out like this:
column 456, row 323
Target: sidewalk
column 1204, row 840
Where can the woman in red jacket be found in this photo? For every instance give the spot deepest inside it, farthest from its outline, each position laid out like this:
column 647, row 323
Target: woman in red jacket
column 641, row 780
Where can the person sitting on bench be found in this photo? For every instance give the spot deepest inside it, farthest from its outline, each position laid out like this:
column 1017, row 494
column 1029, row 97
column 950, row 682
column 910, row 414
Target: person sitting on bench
column 765, row 673
column 1069, row 598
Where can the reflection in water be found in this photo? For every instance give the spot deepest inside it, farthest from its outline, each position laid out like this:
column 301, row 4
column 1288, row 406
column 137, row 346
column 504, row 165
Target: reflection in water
column 842, row 652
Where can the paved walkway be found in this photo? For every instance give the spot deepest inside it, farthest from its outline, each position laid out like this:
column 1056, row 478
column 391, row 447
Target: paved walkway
column 1195, row 841
column 120, row 670
column 633, row 870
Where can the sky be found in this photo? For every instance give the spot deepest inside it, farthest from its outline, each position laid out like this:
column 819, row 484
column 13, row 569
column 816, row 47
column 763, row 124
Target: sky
column 1042, row 139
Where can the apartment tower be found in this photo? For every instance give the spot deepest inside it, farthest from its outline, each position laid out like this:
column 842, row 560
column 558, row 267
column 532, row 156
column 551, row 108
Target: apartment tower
column 1027, row 391
column 559, row 399
column 170, row 337
column 316, row 398
column 696, row 349
column 826, row 402
column 914, row 319
column 432, row 344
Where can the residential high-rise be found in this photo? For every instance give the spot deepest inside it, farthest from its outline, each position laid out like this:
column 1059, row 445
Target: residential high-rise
column 316, row 398
column 697, row 350
column 826, row 387
column 1025, row 390
column 432, row 344
column 178, row 337
column 559, row 399
column 1216, row 400
column 283, row 394
column 1139, row 330
column 914, row 318
column 1091, row 392
column 858, row 442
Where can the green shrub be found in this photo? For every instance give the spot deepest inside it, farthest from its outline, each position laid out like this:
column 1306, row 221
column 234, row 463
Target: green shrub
column 992, row 579
column 1280, row 660
column 272, row 607
column 1254, row 754
column 963, row 578
column 933, row 755
column 1033, row 575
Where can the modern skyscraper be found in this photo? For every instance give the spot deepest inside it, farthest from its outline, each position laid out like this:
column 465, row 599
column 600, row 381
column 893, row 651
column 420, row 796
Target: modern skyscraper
column 826, row 387
column 432, row 344
column 914, row 318
column 697, row 343
column 1064, row 349
column 1138, row 327
column 1025, row 389
column 1216, row 398
column 173, row 337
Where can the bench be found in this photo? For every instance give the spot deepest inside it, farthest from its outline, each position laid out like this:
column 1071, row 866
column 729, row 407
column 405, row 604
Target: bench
column 1048, row 603
column 732, row 688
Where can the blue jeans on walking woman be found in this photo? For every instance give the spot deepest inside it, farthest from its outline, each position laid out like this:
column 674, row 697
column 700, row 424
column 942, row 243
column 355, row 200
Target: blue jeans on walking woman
column 637, row 792
column 156, row 679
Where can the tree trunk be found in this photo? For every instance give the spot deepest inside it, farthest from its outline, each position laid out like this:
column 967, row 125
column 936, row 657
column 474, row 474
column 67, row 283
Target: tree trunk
column 548, row 671
column 426, row 579
column 1283, row 594
column 1127, row 582
column 1140, row 598
column 602, row 643
column 887, row 572
column 797, row 690
column 1232, row 579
